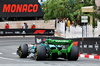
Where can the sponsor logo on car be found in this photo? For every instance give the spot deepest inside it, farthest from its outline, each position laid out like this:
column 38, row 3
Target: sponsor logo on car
column 38, row 40
column 61, row 41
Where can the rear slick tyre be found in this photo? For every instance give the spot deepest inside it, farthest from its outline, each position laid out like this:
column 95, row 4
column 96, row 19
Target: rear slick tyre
column 74, row 54
column 40, row 53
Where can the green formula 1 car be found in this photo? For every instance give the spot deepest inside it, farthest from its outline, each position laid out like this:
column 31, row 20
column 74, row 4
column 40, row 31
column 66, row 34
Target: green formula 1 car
column 51, row 49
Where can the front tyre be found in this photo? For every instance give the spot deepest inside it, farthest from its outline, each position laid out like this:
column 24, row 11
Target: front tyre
column 74, row 54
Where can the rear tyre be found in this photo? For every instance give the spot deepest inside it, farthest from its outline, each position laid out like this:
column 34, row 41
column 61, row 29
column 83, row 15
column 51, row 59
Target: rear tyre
column 23, row 51
column 40, row 53
column 74, row 54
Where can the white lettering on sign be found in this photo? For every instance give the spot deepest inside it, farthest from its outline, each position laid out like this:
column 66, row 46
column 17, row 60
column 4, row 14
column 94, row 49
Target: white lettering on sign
column 23, row 32
column 80, row 46
column 85, row 21
column 17, row 32
column 85, row 46
column 1, row 32
column 51, row 32
column 96, row 46
column 8, row 32
column 90, row 46
column 84, row 17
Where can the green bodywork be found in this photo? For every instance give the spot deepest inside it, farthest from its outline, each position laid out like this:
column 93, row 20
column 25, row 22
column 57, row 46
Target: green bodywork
column 56, row 43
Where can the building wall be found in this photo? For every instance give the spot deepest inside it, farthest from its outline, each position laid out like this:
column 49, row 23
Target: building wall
column 39, row 24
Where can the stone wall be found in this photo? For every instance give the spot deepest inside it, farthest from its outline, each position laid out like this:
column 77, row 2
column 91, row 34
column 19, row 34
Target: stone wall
column 39, row 24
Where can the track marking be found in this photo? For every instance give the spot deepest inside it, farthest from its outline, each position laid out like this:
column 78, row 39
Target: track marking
column 81, row 55
column 16, row 41
column 13, row 59
column 14, row 53
column 89, row 56
column 6, row 58
column 0, row 53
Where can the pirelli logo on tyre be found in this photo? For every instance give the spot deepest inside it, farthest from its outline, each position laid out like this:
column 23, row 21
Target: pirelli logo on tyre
column 20, row 8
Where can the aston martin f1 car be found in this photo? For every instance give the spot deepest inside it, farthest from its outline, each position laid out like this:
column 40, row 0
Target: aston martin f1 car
column 51, row 49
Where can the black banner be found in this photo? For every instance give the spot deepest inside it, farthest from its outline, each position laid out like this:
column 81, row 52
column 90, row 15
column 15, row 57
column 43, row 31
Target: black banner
column 90, row 47
column 20, row 8
column 14, row 32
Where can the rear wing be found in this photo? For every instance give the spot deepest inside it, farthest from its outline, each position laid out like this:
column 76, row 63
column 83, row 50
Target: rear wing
column 59, row 42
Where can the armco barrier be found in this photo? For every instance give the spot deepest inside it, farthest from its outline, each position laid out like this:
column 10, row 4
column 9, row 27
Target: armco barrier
column 16, row 32
column 86, row 45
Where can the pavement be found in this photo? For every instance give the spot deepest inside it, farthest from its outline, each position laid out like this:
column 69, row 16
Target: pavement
column 8, row 56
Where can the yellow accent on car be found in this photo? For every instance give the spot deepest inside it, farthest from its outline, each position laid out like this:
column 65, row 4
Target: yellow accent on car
column 36, row 54
column 21, row 51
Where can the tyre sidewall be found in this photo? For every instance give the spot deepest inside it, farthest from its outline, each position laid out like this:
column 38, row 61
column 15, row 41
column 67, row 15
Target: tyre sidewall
column 74, row 53
column 41, row 53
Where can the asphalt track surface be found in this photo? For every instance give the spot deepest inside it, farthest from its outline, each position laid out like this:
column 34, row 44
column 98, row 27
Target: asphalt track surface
column 8, row 56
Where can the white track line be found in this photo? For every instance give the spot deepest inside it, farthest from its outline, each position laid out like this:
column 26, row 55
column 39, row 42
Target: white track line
column 14, row 53
column 15, row 40
column 13, row 59
column 0, row 53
